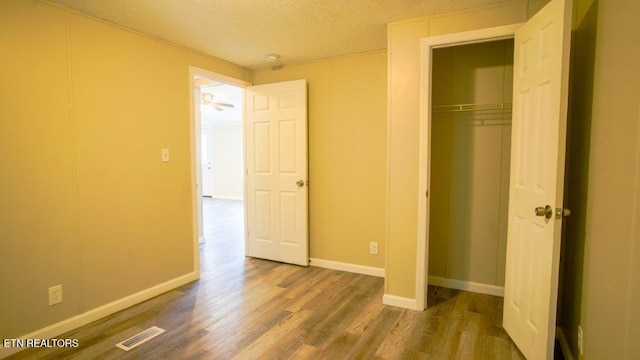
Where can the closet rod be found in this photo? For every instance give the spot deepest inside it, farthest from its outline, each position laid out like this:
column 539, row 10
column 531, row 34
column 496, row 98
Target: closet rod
column 471, row 107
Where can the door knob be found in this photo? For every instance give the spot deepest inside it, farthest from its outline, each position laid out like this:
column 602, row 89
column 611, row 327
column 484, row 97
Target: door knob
column 300, row 183
column 560, row 212
column 546, row 211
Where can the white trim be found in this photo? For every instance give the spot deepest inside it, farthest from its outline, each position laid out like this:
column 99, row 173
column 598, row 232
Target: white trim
column 218, row 77
column 85, row 318
column 472, row 37
column 481, row 288
column 424, row 168
column 353, row 268
column 401, row 302
column 387, row 200
column 564, row 345
column 202, row 240
column 195, row 173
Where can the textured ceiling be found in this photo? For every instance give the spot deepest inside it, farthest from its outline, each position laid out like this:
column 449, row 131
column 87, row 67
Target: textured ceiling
column 244, row 31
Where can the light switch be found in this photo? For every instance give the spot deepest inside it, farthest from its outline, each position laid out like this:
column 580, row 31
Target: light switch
column 165, row 155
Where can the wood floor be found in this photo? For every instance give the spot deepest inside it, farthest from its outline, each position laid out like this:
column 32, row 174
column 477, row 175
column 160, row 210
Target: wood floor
column 244, row 308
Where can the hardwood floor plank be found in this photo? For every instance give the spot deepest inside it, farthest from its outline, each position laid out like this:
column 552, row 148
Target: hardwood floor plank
column 470, row 337
column 370, row 340
column 393, row 345
column 305, row 352
column 342, row 310
column 338, row 346
column 496, row 348
column 265, row 344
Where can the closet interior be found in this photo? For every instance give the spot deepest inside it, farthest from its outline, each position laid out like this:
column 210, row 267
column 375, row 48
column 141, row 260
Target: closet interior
column 469, row 166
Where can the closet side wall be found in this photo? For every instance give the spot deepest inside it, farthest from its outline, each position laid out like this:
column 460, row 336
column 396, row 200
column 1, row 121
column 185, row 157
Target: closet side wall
column 470, row 163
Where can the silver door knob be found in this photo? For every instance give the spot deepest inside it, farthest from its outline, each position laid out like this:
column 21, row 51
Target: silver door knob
column 300, row 183
column 546, row 211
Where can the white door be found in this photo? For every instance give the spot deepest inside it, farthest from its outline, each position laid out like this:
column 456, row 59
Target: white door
column 276, row 168
column 206, row 159
column 541, row 66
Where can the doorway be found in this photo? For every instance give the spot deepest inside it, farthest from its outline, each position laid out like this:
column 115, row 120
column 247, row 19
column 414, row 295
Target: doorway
column 427, row 145
column 470, row 155
column 218, row 114
column 275, row 150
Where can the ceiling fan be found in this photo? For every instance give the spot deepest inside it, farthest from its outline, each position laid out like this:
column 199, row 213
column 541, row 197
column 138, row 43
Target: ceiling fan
column 209, row 99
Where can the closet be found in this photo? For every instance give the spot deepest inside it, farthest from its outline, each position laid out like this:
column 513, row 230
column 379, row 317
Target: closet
column 471, row 94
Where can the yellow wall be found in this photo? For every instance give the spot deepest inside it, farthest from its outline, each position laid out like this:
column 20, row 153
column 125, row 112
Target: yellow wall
column 347, row 154
column 404, row 116
column 85, row 110
column 87, row 204
column 611, row 290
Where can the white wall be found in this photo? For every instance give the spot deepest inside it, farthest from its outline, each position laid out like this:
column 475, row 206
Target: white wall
column 226, row 125
column 227, row 162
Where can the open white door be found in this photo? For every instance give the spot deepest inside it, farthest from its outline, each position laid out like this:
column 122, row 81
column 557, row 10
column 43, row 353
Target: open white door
column 541, row 69
column 276, row 172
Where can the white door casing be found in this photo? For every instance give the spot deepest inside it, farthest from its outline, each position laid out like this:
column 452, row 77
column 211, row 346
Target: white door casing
column 196, row 78
column 276, row 190
column 541, row 69
column 424, row 171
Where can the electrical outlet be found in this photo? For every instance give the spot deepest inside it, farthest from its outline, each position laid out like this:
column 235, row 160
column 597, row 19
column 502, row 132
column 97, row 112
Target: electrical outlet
column 55, row 295
column 373, row 247
column 580, row 340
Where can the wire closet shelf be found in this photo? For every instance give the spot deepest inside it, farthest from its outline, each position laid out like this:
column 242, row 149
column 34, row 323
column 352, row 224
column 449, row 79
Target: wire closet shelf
column 506, row 107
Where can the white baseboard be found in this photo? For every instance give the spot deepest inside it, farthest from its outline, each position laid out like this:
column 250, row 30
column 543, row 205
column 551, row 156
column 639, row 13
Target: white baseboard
column 77, row 321
column 353, row 268
column 467, row 286
column 401, row 302
column 398, row 301
column 564, row 345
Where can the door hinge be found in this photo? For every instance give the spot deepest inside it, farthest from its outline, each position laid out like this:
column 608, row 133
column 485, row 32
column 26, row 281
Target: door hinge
column 427, row 194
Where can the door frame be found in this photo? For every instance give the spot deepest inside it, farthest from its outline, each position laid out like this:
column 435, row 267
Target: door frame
column 195, row 147
column 424, row 175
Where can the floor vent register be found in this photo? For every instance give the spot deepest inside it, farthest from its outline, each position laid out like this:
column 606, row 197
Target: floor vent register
column 140, row 338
